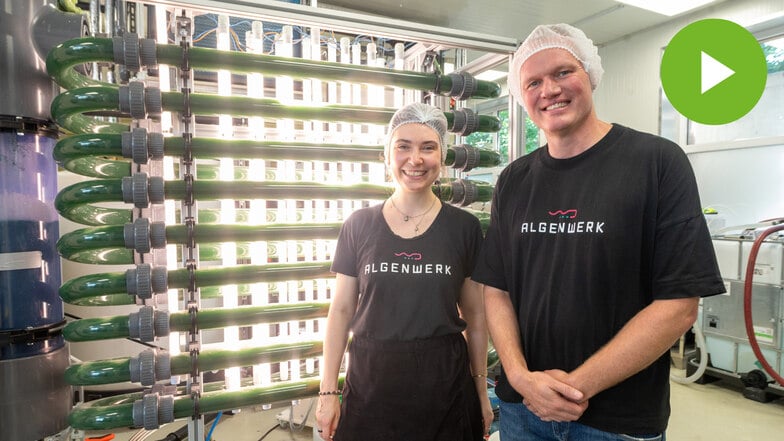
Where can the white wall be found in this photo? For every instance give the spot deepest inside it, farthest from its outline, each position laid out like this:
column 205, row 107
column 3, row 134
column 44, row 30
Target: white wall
column 745, row 183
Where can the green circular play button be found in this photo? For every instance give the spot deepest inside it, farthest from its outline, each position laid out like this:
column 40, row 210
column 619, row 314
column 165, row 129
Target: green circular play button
column 713, row 71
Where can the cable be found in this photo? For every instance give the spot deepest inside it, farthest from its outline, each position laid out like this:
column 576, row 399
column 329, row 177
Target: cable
column 747, row 313
column 303, row 424
column 272, row 429
column 214, row 423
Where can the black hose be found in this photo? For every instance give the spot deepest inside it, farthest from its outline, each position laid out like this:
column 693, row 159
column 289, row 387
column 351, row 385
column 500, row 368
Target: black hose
column 182, row 433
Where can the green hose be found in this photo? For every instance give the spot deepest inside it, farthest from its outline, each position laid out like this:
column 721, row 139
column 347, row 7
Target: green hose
column 106, row 244
column 105, row 328
column 69, row 107
column 118, row 411
column 84, row 154
column 61, row 60
column 81, row 290
column 118, row 370
column 76, row 202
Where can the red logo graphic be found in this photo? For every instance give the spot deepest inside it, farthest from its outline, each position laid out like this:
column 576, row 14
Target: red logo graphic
column 564, row 214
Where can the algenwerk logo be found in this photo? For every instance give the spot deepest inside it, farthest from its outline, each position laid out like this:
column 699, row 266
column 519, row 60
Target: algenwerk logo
column 566, row 222
column 408, row 268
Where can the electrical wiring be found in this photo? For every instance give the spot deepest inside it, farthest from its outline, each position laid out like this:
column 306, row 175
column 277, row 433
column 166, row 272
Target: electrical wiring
column 271, row 429
column 298, row 427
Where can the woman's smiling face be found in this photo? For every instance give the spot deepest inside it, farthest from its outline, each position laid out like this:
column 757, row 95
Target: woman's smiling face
column 415, row 156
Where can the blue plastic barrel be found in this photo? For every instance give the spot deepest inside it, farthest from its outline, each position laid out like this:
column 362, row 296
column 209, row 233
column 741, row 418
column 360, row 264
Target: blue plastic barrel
column 31, row 311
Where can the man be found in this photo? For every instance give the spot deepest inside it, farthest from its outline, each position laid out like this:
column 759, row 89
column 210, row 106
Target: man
column 594, row 261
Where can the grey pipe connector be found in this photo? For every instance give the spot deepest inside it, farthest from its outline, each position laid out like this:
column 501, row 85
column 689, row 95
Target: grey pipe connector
column 140, row 324
column 144, row 280
column 133, row 52
column 137, row 235
column 142, row 191
column 160, row 275
column 471, row 192
column 150, row 366
column 142, row 367
column 126, row 51
column 463, row 85
column 464, row 192
column 153, row 410
column 148, row 323
column 143, row 235
column 142, row 146
column 138, row 101
column 464, row 122
column 160, row 323
column 466, row 157
column 137, row 281
column 148, row 53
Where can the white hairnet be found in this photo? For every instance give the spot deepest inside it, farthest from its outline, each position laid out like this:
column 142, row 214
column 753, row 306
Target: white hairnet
column 419, row 113
column 562, row 36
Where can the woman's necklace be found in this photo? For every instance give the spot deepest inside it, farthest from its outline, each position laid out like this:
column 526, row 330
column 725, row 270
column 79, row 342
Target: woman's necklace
column 406, row 217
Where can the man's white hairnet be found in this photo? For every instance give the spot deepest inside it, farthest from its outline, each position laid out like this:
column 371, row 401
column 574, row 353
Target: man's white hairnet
column 562, row 36
column 419, row 113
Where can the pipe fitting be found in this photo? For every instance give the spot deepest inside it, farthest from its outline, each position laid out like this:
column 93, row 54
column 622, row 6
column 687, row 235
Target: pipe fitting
column 140, row 102
column 138, row 281
column 143, row 235
column 148, row 323
column 150, row 366
column 126, row 51
column 134, row 52
column 463, row 85
column 140, row 324
column 144, row 280
column 153, row 410
column 471, row 192
column 141, row 368
column 142, row 191
column 464, row 192
column 148, row 53
column 467, row 157
column 142, row 146
column 465, row 122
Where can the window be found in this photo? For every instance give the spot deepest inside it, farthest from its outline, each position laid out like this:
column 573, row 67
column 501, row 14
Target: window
column 766, row 119
column 500, row 141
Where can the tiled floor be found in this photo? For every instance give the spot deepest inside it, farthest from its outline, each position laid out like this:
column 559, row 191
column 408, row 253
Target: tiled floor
column 710, row 412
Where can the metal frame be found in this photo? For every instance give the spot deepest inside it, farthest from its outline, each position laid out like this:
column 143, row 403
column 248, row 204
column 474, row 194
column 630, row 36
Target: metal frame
column 350, row 22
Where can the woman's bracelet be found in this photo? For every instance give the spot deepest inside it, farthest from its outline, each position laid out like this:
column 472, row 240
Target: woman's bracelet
column 331, row 392
column 479, row 375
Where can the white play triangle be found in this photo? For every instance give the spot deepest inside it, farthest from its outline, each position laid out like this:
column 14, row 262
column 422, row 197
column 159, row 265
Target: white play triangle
column 712, row 72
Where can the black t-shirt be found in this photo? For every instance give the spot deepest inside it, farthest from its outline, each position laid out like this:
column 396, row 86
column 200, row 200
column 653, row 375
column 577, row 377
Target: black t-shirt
column 583, row 244
column 408, row 288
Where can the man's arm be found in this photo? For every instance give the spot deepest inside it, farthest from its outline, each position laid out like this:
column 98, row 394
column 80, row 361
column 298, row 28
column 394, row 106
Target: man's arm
column 647, row 336
column 544, row 395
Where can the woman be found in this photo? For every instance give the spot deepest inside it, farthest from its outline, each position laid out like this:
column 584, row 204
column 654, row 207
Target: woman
column 418, row 354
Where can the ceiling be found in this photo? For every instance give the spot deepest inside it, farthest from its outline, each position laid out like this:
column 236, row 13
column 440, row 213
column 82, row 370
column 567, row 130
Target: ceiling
column 602, row 20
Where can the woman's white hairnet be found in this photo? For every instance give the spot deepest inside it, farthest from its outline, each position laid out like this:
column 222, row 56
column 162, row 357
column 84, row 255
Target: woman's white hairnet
column 419, row 113
column 562, row 36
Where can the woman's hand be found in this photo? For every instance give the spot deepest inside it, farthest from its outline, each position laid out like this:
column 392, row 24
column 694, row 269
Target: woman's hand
column 327, row 416
column 487, row 413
